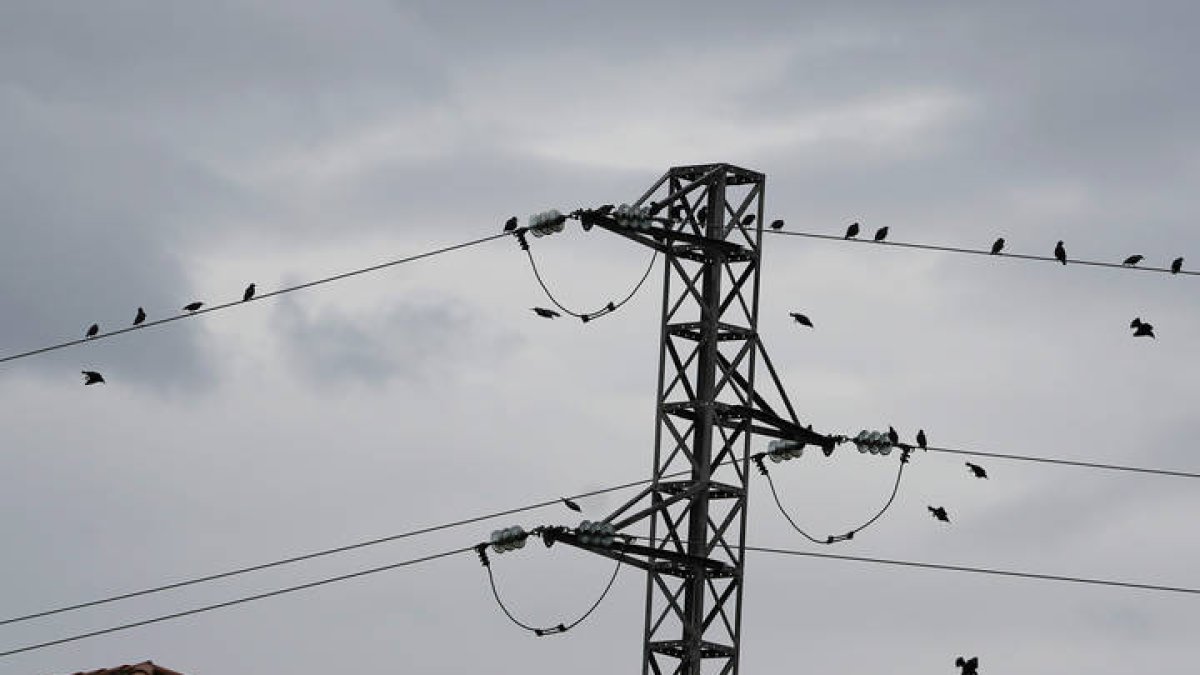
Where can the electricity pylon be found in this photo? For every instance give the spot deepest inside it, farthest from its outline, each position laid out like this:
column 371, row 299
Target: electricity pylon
column 708, row 409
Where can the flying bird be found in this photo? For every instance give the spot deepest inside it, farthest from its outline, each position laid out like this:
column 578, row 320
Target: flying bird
column 141, row 316
column 1143, row 329
column 511, row 224
column 893, row 437
column 193, row 306
column 921, row 441
column 1176, row 265
column 939, row 513
column 801, row 319
column 777, row 224
column 1132, row 260
column 571, row 505
column 976, row 470
column 969, row 666
column 92, row 330
column 998, row 246
column 852, row 231
column 1137, row 321
column 92, row 377
column 881, row 233
column 1060, row 253
column 545, row 313
column 248, row 294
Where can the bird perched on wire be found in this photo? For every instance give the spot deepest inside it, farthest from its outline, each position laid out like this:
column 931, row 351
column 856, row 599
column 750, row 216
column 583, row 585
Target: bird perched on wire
column 998, row 246
column 748, row 220
column 545, row 313
column 1060, row 252
column 571, row 505
column 193, row 306
column 1133, row 260
column 248, row 294
column 893, row 436
column 939, row 513
column 852, row 231
column 1141, row 328
column 1176, row 265
column 801, row 319
column 881, row 233
column 139, row 317
column 976, row 470
column 511, row 224
column 92, row 377
column 777, row 224
column 92, row 330
column 969, row 666
column 922, row 442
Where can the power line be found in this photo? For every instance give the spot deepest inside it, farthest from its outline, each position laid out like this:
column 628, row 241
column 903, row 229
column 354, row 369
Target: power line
column 588, row 316
column 238, row 601
column 257, row 298
column 849, row 534
column 974, row 251
column 1067, row 462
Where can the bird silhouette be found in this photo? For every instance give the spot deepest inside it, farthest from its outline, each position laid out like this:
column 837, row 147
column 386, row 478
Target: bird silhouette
column 852, row 231
column 998, row 246
column 893, row 437
column 545, row 313
column 1143, row 329
column 92, row 377
column 1060, row 253
column 702, row 216
column 511, row 224
column 748, row 220
column 1133, row 260
column 881, row 233
column 969, row 666
column 193, row 306
column 777, row 224
column 571, row 505
column 1137, row 321
column 1176, row 265
column 604, row 209
column 141, row 316
column 921, row 440
column 801, row 319
column 92, row 330
column 977, row 470
column 939, row 513
column 248, row 294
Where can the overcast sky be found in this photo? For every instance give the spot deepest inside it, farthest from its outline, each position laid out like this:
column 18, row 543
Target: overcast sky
column 156, row 153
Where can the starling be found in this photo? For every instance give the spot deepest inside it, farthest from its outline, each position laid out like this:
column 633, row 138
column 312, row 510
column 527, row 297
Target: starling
column 141, row 316
column 852, row 231
column 1132, row 260
column 1060, row 253
column 801, row 319
column 881, row 233
column 969, row 666
column 921, row 441
column 92, row 377
column 748, row 220
column 511, row 224
column 893, row 437
column 92, row 330
column 1143, row 329
column 193, row 306
column 977, row 470
column 998, row 246
column 702, row 216
column 1176, row 265
column 939, row 513
column 545, row 313
column 248, row 294
column 777, row 224
column 571, row 505
column 1137, row 321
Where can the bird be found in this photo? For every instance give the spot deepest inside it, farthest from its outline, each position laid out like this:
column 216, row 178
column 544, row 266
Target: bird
column 852, row 231
column 605, row 209
column 801, row 319
column 1060, row 253
column 1176, row 265
column 969, row 666
column 571, row 505
column 511, row 224
column 141, row 316
column 893, row 437
column 977, row 470
column 748, row 220
column 702, row 216
column 1143, row 329
column 921, row 441
column 248, row 294
column 545, row 313
column 998, row 246
column 1137, row 321
column 92, row 377
column 939, row 513
column 193, row 306
column 881, row 233
column 777, row 224
column 92, row 330
column 1132, row 260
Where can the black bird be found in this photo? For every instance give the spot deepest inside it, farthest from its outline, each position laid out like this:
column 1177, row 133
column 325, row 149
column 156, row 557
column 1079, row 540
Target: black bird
column 571, row 505
column 977, row 470
column 777, row 224
column 545, row 313
column 1060, row 253
column 998, row 246
column 881, row 233
column 92, row 330
column 92, row 377
column 1137, row 321
column 141, row 316
column 748, row 220
column 852, row 231
column 1176, row 265
column 193, row 306
column 939, row 513
column 702, row 216
column 511, row 224
column 801, row 319
column 893, row 437
column 605, row 209
column 969, row 666
column 921, row 441
column 1143, row 329
column 248, row 294
column 1132, row 260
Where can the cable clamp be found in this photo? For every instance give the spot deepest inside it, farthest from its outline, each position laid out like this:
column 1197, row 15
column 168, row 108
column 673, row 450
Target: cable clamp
column 543, row 632
column 481, row 551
